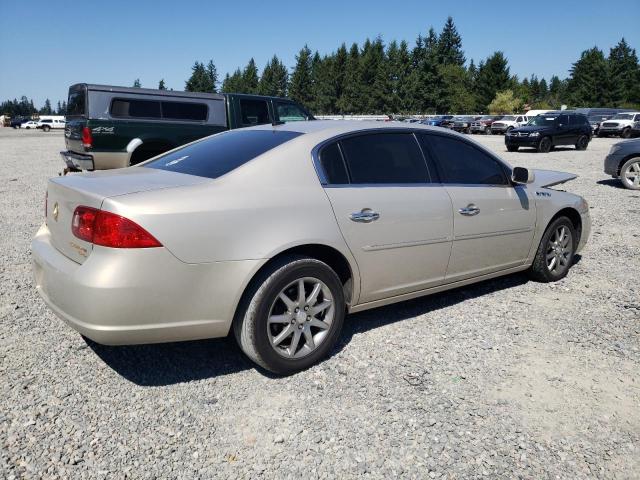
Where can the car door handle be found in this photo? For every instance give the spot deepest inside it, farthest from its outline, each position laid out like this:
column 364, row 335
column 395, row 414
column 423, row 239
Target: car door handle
column 470, row 210
column 366, row 215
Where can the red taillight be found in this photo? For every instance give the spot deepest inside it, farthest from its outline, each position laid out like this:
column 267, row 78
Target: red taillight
column 110, row 230
column 87, row 139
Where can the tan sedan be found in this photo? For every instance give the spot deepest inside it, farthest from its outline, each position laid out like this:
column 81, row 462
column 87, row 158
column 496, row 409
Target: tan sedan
column 278, row 231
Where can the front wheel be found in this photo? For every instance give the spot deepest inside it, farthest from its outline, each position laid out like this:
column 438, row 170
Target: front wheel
column 487, row 131
column 630, row 174
column 582, row 143
column 626, row 133
column 544, row 146
column 555, row 253
column 46, row 128
column 291, row 316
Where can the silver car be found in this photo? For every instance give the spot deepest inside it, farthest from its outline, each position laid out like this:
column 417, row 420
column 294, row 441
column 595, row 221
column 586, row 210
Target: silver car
column 277, row 232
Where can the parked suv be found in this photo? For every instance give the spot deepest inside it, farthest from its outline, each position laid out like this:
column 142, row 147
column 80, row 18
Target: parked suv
column 546, row 131
column 620, row 125
column 115, row 127
column 508, row 123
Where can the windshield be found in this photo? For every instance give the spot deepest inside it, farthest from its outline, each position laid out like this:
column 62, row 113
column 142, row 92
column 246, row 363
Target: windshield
column 623, row 116
column 219, row 154
column 508, row 118
column 543, row 121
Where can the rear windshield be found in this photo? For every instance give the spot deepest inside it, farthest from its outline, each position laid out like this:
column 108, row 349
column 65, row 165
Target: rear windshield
column 217, row 155
column 76, row 103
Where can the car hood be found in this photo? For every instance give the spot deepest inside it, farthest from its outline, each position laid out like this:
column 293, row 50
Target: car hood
column 548, row 178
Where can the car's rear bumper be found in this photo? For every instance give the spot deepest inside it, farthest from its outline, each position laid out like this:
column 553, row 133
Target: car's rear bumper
column 611, row 164
column 132, row 296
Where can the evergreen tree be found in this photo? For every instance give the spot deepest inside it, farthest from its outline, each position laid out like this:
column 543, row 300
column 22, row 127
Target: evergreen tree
column 589, row 81
column 233, row 83
column 457, row 94
column 450, row 45
column 63, row 111
column 373, row 77
column 274, row 78
column 300, row 88
column 250, row 77
column 323, row 84
column 402, row 76
column 137, row 84
column 624, row 71
column 493, row 76
column 59, row 109
column 203, row 79
column 161, row 85
column 339, row 65
column 212, row 77
column 46, row 110
column 349, row 101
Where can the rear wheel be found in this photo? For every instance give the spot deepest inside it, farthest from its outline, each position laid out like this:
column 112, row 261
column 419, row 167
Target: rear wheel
column 555, row 253
column 291, row 316
column 512, row 148
column 626, row 133
column 46, row 128
column 544, row 146
column 582, row 143
column 630, row 174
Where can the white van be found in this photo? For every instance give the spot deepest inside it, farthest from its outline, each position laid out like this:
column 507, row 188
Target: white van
column 47, row 122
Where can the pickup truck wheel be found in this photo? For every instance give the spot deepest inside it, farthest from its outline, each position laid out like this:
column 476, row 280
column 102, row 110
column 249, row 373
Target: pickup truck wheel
column 509, row 129
column 512, row 148
column 487, row 130
column 626, row 133
column 582, row 143
column 630, row 174
column 544, row 146
column 555, row 253
column 46, row 128
column 291, row 315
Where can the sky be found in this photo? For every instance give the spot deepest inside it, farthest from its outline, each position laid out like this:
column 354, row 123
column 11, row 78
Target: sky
column 47, row 46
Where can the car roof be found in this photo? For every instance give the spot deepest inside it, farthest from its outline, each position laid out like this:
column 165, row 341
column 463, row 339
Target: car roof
column 337, row 127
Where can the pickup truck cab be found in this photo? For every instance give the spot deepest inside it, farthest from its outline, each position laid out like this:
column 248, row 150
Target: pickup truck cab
column 620, row 125
column 508, row 123
column 115, row 127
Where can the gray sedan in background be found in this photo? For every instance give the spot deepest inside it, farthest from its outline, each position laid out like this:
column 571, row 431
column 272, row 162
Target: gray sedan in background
column 623, row 162
column 276, row 232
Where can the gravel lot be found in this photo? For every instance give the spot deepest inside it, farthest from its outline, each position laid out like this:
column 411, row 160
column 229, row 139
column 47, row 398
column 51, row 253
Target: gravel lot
column 505, row 379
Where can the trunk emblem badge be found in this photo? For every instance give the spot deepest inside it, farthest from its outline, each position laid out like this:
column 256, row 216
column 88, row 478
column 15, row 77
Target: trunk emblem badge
column 55, row 212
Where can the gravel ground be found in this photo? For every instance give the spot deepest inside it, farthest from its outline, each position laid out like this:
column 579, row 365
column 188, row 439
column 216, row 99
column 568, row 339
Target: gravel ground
column 505, row 379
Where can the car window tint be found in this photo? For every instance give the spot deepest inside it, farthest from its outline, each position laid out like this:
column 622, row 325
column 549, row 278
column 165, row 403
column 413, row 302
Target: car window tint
column 384, row 158
column 333, row 165
column 135, row 108
column 184, row 111
column 254, row 112
column 289, row 112
column 460, row 162
column 221, row 153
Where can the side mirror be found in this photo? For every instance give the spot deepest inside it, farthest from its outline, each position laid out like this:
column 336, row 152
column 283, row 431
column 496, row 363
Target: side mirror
column 522, row 175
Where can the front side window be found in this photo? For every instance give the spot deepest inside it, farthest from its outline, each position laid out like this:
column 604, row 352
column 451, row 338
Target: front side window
column 254, row 112
column 463, row 163
column 384, row 158
column 222, row 153
column 135, row 108
column 290, row 112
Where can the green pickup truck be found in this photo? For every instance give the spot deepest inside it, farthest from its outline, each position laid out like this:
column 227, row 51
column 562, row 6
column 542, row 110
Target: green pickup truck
column 114, row 127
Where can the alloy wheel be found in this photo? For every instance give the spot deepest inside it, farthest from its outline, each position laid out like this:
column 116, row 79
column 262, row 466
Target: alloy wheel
column 631, row 175
column 300, row 317
column 559, row 250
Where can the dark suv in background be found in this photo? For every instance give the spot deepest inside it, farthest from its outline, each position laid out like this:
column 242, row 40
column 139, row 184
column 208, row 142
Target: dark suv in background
column 551, row 129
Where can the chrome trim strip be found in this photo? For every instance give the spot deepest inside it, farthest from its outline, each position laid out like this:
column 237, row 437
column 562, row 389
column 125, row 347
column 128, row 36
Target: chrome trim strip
column 493, row 234
column 417, row 243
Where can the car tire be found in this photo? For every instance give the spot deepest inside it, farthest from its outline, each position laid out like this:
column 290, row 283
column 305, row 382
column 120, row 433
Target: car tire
column 508, row 130
column 512, row 148
column 554, row 256
column 582, row 143
column 626, row 133
column 46, row 128
column 487, row 131
column 630, row 174
column 272, row 316
column 544, row 145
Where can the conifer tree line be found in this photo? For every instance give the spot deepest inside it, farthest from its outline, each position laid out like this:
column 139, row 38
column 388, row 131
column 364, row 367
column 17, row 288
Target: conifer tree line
column 430, row 76
column 25, row 108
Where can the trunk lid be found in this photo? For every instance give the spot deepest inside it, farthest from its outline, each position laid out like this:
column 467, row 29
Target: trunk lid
column 65, row 194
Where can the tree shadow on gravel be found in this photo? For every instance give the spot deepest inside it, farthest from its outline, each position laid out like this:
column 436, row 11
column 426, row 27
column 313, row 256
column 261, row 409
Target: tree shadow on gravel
column 179, row 362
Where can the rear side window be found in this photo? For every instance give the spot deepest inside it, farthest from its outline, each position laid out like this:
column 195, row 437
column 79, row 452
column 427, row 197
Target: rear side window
column 463, row 163
column 184, row 111
column 254, row 112
column 289, row 112
column 384, row 158
column 222, row 153
column 135, row 108
column 333, row 165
